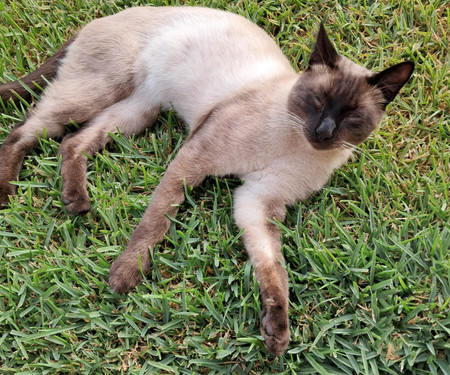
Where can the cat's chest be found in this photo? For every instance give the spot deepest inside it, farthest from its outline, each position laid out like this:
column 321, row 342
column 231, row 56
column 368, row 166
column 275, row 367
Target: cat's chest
column 309, row 171
column 297, row 175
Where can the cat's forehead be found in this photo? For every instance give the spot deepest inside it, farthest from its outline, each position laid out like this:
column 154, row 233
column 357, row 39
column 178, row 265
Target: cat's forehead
column 347, row 82
column 348, row 67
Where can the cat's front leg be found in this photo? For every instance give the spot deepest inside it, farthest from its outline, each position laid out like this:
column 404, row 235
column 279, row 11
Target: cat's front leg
column 186, row 169
column 253, row 208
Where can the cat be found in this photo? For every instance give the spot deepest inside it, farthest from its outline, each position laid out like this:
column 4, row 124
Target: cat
column 248, row 112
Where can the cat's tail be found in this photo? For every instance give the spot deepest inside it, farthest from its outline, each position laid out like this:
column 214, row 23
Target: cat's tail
column 39, row 78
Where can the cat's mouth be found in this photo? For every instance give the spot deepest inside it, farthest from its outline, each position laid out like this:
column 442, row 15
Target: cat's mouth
column 328, row 144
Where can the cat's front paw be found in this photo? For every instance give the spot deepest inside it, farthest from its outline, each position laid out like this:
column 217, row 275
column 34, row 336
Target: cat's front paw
column 275, row 326
column 124, row 275
column 6, row 190
column 76, row 203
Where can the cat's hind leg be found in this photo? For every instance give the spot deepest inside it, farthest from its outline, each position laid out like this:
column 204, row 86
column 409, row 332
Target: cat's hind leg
column 66, row 99
column 254, row 205
column 48, row 117
column 129, row 116
column 22, row 138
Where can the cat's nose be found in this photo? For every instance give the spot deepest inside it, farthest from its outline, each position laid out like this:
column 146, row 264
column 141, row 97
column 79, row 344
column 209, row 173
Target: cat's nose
column 326, row 129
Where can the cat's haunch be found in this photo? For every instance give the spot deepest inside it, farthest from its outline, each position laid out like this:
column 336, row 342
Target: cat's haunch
column 248, row 112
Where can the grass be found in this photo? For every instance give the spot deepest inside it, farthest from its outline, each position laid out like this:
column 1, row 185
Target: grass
column 368, row 256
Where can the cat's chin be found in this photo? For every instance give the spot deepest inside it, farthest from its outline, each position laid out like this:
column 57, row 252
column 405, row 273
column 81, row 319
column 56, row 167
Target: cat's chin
column 324, row 146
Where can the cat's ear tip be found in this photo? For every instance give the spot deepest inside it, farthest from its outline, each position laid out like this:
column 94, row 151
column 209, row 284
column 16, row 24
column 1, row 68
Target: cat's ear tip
column 322, row 33
column 411, row 63
column 410, row 66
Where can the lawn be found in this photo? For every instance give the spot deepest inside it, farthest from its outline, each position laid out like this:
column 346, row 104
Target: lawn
column 367, row 257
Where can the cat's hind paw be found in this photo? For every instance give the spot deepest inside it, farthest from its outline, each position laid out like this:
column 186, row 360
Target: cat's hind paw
column 6, row 190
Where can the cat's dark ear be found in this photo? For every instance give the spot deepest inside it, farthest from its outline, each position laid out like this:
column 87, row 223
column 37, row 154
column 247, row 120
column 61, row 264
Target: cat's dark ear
column 391, row 80
column 324, row 52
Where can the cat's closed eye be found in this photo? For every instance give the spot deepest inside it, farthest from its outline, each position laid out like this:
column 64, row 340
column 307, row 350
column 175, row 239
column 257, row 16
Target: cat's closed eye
column 318, row 103
column 352, row 120
column 353, row 116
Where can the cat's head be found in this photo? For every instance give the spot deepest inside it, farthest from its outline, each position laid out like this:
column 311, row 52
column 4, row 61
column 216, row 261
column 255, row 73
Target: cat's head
column 340, row 102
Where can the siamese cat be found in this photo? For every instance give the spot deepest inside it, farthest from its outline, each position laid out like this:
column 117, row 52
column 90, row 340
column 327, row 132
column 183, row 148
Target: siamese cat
column 248, row 112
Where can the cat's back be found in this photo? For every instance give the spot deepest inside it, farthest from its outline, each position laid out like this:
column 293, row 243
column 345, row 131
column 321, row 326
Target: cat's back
column 190, row 58
column 201, row 56
column 182, row 32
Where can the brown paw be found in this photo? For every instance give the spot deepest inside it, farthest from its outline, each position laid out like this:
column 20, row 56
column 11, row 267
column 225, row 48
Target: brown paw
column 6, row 191
column 124, row 275
column 76, row 203
column 275, row 327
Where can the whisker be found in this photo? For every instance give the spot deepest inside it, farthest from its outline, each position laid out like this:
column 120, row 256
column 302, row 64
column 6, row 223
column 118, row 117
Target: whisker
column 292, row 121
column 287, row 119
column 285, row 111
column 350, row 146
column 287, row 122
column 289, row 126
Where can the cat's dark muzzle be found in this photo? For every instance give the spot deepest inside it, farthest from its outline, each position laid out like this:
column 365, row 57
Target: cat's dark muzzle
column 325, row 130
column 324, row 135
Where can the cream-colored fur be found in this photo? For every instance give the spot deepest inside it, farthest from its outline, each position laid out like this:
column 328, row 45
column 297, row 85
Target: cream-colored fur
column 248, row 112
